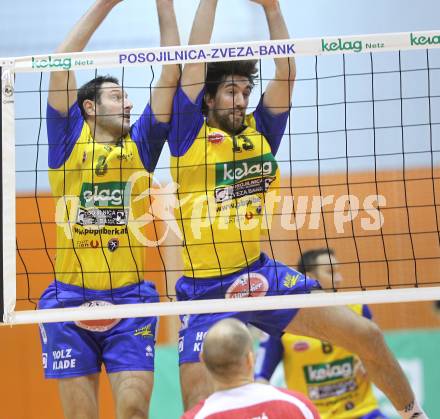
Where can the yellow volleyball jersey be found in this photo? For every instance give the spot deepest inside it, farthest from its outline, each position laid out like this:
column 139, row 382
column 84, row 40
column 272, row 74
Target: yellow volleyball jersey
column 98, row 192
column 225, row 185
column 332, row 377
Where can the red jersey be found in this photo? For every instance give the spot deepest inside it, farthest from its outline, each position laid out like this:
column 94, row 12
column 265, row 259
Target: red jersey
column 254, row 401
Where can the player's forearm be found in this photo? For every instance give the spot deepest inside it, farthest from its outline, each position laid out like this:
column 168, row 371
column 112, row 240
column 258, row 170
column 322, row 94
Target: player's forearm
column 203, row 24
column 384, row 370
column 169, row 33
column 193, row 76
column 285, row 68
column 169, row 36
column 81, row 33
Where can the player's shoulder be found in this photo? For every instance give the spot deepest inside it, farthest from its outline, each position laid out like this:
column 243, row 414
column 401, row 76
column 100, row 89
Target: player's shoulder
column 261, row 116
column 295, row 395
column 190, row 414
column 250, row 120
column 182, row 98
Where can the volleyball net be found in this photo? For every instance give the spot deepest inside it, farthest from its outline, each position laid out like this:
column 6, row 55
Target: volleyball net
column 359, row 165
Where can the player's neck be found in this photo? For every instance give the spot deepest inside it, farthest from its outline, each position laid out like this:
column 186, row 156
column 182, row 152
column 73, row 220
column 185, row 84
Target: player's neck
column 102, row 136
column 234, row 383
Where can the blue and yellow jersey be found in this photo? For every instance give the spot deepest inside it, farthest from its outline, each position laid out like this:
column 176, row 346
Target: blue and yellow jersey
column 332, row 377
column 98, row 192
column 225, row 183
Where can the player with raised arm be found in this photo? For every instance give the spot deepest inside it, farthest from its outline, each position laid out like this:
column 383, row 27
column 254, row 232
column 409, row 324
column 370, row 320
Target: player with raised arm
column 332, row 377
column 223, row 158
column 99, row 166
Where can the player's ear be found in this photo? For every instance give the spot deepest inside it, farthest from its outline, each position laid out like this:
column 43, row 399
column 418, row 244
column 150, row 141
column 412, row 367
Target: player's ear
column 209, row 101
column 250, row 360
column 89, row 107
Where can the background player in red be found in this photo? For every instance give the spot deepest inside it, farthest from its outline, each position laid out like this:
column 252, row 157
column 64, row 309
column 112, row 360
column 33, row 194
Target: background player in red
column 229, row 358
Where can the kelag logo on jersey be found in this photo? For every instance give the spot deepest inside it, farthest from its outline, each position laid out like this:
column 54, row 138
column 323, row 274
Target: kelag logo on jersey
column 239, row 170
column 107, row 194
column 244, row 177
column 104, row 204
column 321, row 373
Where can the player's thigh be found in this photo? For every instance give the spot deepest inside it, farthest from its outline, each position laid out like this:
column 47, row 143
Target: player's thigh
column 132, row 393
column 338, row 325
column 79, row 396
column 195, row 383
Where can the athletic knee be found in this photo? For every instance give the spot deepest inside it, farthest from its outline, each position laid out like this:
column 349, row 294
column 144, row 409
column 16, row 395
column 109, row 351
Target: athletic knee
column 133, row 405
column 195, row 384
column 195, row 392
column 191, row 397
column 132, row 393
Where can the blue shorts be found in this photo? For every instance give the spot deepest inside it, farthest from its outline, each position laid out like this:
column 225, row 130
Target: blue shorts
column 264, row 277
column 73, row 349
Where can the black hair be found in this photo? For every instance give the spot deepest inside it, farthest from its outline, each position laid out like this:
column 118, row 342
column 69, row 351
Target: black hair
column 92, row 91
column 307, row 261
column 217, row 72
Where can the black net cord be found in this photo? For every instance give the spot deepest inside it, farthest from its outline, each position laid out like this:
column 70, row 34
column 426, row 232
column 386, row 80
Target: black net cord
column 26, row 275
column 432, row 147
column 347, row 181
column 2, row 303
column 404, row 173
column 140, row 274
column 162, row 258
column 318, row 137
column 373, row 115
column 39, row 212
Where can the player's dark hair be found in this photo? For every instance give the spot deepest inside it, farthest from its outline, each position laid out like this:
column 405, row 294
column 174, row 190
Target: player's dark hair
column 92, row 91
column 307, row 262
column 216, row 74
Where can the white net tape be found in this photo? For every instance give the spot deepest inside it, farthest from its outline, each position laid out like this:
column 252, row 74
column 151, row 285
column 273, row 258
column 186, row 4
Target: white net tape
column 125, row 59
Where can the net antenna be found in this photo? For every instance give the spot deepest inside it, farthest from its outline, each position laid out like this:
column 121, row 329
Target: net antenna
column 7, row 205
column 384, row 289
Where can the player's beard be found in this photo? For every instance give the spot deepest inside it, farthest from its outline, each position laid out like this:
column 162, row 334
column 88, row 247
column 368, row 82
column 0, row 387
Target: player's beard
column 112, row 121
column 227, row 122
column 119, row 125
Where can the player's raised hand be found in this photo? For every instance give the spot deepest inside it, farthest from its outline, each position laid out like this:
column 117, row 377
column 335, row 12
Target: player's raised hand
column 111, row 3
column 266, row 3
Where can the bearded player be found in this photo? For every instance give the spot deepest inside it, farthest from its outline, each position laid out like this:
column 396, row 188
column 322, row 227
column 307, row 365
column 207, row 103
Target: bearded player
column 223, row 158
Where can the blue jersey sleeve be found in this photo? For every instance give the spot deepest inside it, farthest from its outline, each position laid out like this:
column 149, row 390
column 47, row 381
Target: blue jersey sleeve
column 271, row 125
column 366, row 312
column 186, row 122
column 63, row 132
column 149, row 135
column 269, row 355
